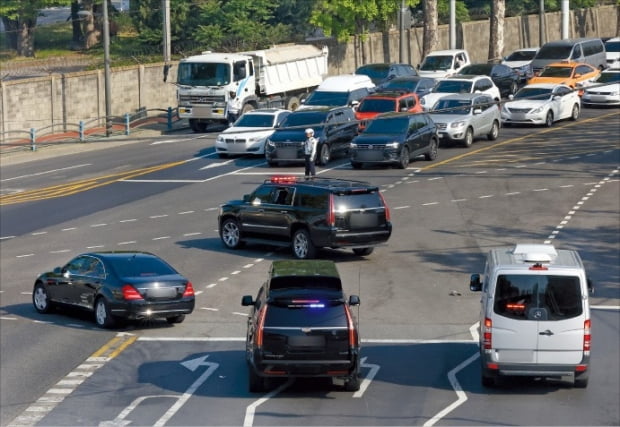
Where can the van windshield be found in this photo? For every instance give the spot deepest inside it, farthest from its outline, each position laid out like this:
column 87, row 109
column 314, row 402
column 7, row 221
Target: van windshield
column 538, row 297
column 319, row 97
column 554, row 52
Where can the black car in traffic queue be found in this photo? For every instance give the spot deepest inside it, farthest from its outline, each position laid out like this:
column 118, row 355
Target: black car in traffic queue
column 505, row 78
column 116, row 285
column 334, row 128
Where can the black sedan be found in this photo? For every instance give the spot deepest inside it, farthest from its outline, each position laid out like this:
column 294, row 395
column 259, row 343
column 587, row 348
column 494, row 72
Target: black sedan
column 417, row 84
column 505, row 78
column 113, row 285
column 334, row 127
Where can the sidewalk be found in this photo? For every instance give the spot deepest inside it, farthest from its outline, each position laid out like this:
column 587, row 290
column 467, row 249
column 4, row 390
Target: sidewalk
column 68, row 142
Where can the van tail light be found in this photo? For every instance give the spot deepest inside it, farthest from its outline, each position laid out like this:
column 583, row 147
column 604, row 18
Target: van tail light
column 331, row 215
column 586, row 335
column 130, row 293
column 387, row 209
column 260, row 326
column 351, row 327
column 486, row 334
column 189, row 290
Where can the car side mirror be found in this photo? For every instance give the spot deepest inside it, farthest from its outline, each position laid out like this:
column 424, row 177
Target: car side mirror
column 57, row 270
column 246, row 198
column 475, row 285
column 354, row 300
column 511, row 96
column 247, row 300
column 477, row 110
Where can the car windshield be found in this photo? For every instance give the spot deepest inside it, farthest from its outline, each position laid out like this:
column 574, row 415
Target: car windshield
column 139, row 266
column 453, row 86
column 452, row 106
column 521, row 55
column 255, row 121
column 477, row 69
column 396, row 125
column 432, row 63
column 533, row 93
column 402, row 85
column 302, row 118
column 203, row 74
column 557, row 72
column 522, row 296
column 612, row 46
column 327, row 98
column 376, row 105
column 375, row 71
column 554, row 52
column 608, row 77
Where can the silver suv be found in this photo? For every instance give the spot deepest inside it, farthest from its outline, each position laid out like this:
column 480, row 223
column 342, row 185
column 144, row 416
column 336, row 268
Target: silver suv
column 465, row 117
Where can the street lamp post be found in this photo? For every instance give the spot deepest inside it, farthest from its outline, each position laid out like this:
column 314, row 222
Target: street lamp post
column 106, row 66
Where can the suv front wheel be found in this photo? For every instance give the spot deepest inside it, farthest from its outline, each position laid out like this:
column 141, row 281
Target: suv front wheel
column 303, row 248
column 230, row 233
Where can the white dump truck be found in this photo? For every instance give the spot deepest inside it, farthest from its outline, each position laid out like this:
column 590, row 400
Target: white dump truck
column 219, row 87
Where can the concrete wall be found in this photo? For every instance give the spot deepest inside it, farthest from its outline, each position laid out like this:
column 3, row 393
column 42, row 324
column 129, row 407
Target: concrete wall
column 58, row 102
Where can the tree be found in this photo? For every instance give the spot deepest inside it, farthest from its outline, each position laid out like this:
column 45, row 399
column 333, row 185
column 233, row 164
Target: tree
column 343, row 19
column 496, row 36
column 431, row 27
column 20, row 19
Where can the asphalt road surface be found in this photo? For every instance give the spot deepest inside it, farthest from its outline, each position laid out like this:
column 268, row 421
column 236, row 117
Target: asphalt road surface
column 417, row 317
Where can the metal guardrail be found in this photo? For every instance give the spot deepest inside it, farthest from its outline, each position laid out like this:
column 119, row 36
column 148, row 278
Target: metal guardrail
column 85, row 130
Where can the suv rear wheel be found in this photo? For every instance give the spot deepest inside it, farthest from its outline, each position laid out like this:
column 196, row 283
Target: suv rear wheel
column 324, row 154
column 432, row 151
column 303, row 248
column 353, row 383
column 494, row 132
column 256, row 383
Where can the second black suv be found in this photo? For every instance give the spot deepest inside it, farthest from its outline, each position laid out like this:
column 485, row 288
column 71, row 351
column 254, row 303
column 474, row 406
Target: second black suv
column 308, row 214
column 395, row 138
column 301, row 325
column 334, row 127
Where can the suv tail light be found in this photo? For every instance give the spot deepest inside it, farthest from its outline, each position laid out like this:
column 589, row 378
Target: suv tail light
column 487, row 341
column 260, row 326
column 331, row 215
column 586, row 335
column 130, row 293
column 351, row 327
column 189, row 290
column 387, row 209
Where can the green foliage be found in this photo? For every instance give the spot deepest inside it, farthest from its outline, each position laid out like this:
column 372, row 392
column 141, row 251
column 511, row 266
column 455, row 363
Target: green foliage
column 344, row 18
column 27, row 9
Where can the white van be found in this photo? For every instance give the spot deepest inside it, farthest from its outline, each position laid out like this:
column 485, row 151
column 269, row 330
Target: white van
column 535, row 315
column 443, row 63
column 612, row 52
column 340, row 91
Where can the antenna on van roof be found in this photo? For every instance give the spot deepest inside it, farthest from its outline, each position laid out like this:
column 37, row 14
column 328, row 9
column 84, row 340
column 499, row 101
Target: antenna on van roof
column 536, row 253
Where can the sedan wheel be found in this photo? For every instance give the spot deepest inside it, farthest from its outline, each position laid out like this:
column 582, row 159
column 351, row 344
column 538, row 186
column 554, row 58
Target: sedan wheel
column 41, row 299
column 403, row 162
column 575, row 113
column 494, row 133
column 303, row 248
column 324, row 155
column 230, row 234
column 103, row 317
column 549, row 119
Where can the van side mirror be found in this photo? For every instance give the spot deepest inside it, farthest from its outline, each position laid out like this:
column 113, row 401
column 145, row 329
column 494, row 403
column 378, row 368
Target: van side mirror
column 477, row 110
column 247, row 300
column 590, row 286
column 354, row 300
column 475, row 285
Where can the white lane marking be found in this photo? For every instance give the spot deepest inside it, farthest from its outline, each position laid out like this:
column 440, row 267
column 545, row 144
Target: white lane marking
column 605, row 307
column 461, row 395
column 24, row 255
column 7, row 237
column 60, row 251
column 251, row 409
column 45, row 172
column 98, row 225
column 368, row 378
column 209, row 308
column 127, row 243
column 128, row 220
column 401, row 207
column 38, row 233
column 215, row 165
column 430, row 203
column 161, row 238
column 158, row 216
column 486, row 196
column 69, row 229
column 7, row 318
column 185, row 213
column 238, row 313
column 196, row 233
column 95, row 247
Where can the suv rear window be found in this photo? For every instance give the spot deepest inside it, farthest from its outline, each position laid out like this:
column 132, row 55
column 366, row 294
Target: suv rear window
column 305, row 313
column 347, row 202
column 558, row 296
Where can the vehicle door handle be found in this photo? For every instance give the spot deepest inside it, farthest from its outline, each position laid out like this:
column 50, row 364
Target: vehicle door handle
column 547, row 332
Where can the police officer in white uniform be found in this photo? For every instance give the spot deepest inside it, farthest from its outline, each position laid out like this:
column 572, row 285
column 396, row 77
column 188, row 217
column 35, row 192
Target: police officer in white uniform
column 310, row 152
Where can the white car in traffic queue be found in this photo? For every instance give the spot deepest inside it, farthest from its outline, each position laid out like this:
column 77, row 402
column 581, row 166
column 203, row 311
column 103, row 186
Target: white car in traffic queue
column 605, row 90
column 249, row 133
column 541, row 104
column 460, row 84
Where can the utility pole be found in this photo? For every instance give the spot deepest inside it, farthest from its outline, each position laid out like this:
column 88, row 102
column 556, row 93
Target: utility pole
column 565, row 16
column 403, row 39
column 541, row 23
column 452, row 24
column 166, row 7
column 106, row 66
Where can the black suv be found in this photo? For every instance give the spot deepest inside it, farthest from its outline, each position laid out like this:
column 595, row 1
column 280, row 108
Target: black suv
column 334, row 127
column 395, row 138
column 308, row 214
column 301, row 325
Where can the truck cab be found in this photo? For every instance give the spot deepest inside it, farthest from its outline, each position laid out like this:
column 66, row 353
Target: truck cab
column 443, row 63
